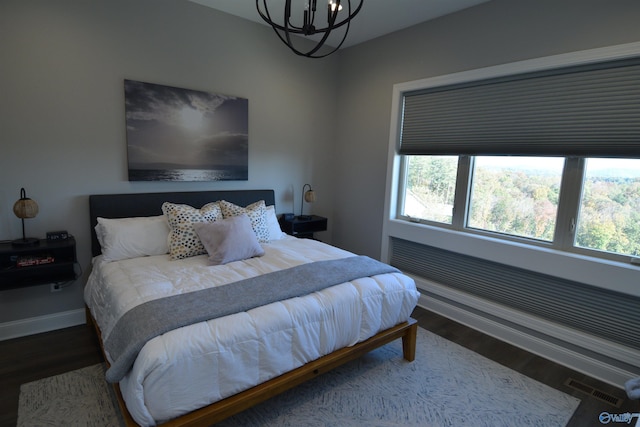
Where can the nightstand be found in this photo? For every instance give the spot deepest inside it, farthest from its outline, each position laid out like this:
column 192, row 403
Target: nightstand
column 50, row 261
column 303, row 227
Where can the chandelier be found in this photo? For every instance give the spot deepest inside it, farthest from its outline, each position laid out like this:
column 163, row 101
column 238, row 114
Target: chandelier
column 306, row 27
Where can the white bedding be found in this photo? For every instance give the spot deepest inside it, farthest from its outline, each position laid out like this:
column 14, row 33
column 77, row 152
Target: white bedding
column 194, row 366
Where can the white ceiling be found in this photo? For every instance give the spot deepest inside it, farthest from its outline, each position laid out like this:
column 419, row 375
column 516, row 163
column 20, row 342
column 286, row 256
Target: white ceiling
column 375, row 19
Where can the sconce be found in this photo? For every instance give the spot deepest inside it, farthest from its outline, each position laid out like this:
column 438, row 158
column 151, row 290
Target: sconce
column 25, row 208
column 308, row 196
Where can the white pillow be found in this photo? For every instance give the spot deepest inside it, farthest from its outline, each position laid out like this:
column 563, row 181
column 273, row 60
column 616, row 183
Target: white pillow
column 124, row 238
column 275, row 232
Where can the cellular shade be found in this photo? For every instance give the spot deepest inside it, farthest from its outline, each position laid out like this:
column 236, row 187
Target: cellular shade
column 587, row 110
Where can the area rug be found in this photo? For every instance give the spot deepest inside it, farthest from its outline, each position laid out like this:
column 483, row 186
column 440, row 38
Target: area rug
column 447, row 385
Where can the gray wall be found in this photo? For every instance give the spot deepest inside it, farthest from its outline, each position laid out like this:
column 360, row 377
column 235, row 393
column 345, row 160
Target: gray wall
column 63, row 135
column 492, row 33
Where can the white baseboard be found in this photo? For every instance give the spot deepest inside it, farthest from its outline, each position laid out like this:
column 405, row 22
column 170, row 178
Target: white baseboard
column 36, row 325
column 554, row 350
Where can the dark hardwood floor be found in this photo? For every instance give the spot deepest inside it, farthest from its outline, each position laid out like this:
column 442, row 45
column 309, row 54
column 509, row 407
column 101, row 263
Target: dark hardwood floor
column 30, row 358
column 39, row 356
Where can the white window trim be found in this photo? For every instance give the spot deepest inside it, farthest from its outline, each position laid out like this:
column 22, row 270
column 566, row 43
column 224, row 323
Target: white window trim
column 572, row 266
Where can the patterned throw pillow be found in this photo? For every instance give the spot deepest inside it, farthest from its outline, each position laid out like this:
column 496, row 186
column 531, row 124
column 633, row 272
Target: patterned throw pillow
column 257, row 213
column 183, row 240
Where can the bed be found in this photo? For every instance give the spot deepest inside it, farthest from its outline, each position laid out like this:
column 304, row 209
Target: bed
column 196, row 327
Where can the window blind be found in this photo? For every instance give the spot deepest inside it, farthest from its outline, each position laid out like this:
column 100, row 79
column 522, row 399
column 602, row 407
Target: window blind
column 610, row 315
column 589, row 110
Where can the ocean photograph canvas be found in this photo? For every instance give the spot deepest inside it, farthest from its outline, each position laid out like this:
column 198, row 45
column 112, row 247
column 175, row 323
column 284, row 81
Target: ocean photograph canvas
column 176, row 134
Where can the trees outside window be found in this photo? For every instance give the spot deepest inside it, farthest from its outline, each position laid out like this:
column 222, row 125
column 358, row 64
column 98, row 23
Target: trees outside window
column 519, row 197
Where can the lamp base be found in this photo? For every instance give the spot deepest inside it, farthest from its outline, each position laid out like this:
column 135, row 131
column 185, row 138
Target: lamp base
column 27, row 241
column 304, row 217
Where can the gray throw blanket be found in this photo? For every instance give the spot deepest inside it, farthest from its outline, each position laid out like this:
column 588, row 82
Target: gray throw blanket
column 153, row 318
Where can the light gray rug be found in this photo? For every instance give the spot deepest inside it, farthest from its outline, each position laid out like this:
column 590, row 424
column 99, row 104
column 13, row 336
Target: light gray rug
column 447, row 385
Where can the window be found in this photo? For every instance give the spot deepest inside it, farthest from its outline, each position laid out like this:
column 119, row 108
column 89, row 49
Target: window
column 430, row 188
column 515, row 195
column 518, row 198
column 544, row 152
column 609, row 217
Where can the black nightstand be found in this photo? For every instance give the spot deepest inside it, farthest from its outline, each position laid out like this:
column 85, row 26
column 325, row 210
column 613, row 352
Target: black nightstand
column 50, row 261
column 303, row 227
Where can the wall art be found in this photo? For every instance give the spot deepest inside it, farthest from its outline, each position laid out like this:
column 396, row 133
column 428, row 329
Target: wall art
column 176, row 134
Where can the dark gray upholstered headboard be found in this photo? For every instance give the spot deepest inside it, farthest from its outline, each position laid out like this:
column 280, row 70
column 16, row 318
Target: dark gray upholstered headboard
column 150, row 204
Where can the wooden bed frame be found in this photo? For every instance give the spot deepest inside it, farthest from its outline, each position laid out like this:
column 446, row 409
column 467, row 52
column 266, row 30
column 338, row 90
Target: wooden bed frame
column 148, row 204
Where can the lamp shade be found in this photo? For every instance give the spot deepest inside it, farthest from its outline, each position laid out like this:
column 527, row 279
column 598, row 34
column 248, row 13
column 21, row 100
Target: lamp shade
column 310, row 196
column 25, row 207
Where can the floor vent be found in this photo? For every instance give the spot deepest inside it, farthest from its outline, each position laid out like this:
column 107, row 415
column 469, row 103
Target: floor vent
column 594, row 392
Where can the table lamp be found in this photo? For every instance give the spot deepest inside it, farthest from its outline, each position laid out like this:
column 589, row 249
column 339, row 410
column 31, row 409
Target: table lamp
column 25, row 208
column 308, row 196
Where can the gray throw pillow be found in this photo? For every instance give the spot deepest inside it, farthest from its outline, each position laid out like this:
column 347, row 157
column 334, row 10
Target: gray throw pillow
column 230, row 239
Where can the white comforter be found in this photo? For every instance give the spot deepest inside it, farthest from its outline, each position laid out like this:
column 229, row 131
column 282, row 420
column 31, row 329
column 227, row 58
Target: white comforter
column 194, row 366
